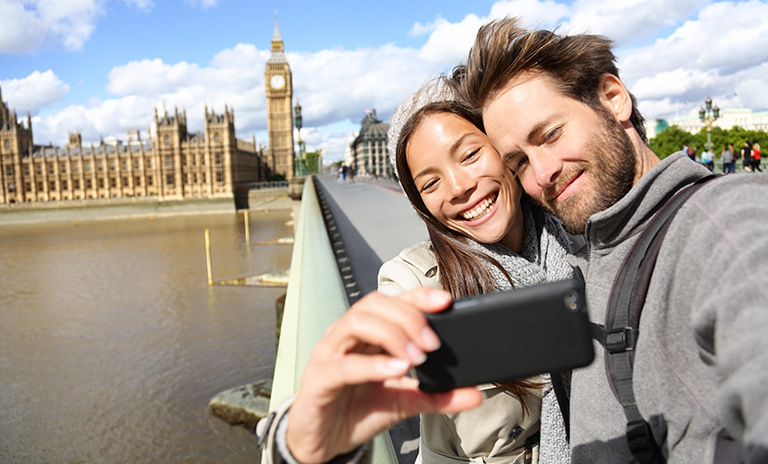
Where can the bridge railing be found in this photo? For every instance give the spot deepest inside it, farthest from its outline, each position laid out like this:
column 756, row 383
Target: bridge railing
column 314, row 299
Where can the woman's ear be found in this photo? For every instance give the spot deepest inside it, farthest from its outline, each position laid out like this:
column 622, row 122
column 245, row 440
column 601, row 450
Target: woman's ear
column 615, row 97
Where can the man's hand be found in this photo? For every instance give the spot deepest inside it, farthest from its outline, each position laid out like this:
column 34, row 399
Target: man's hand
column 355, row 383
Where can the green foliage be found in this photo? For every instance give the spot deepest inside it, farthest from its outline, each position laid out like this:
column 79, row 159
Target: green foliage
column 277, row 177
column 669, row 141
column 672, row 139
column 312, row 160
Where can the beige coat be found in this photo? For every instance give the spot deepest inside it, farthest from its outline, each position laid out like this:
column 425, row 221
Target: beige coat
column 494, row 432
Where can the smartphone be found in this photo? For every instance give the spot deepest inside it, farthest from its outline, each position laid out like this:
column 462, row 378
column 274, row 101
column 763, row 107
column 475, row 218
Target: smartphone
column 509, row 335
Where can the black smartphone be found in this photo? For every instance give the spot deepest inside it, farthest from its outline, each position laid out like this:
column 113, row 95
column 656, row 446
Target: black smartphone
column 509, row 335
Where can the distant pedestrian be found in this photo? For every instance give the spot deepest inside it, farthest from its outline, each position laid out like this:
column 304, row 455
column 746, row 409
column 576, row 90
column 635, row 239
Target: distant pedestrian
column 746, row 156
column 756, row 157
column 736, row 155
column 729, row 164
column 708, row 159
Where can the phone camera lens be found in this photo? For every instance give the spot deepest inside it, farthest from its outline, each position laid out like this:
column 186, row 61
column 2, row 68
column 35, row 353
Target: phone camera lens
column 571, row 299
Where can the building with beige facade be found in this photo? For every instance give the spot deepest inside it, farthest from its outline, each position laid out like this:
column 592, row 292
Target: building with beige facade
column 172, row 164
column 367, row 153
column 729, row 117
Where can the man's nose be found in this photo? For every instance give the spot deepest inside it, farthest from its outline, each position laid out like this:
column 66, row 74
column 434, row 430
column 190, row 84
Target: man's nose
column 546, row 168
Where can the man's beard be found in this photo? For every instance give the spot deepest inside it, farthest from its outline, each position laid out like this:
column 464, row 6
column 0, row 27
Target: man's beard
column 611, row 167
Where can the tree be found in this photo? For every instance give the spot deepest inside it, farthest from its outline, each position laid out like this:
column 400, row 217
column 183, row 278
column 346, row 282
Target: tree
column 670, row 140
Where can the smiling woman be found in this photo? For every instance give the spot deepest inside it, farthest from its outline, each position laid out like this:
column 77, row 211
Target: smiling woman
column 484, row 236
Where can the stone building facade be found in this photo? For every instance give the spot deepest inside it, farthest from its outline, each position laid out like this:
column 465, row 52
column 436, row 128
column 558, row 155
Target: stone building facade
column 368, row 151
column 174, row 165
column 278, row 83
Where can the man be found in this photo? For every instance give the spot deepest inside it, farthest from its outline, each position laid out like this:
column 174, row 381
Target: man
column 746, row 156
column 729, row 165
column 556, row 110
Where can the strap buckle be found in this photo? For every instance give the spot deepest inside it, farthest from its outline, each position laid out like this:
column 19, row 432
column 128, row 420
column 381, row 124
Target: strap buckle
column 620, row 340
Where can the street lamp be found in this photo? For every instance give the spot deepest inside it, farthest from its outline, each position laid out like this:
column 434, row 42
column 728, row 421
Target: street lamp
column 708, row 116
column 297, row 120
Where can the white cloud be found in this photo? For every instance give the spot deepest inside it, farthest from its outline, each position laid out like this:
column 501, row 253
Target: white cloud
column 704, row 56
column 28, row 24
column 34, row 92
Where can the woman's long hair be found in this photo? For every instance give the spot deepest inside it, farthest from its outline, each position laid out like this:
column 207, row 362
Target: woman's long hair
column 463, row 270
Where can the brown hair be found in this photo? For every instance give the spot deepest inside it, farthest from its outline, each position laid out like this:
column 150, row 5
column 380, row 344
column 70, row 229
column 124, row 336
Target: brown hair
column 503, row 50
column 463, row 271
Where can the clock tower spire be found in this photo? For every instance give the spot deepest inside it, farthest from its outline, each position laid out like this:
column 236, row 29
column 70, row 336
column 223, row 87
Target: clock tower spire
column 279, row 89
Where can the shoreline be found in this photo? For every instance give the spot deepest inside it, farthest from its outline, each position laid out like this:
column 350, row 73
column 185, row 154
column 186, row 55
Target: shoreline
column 116, row 210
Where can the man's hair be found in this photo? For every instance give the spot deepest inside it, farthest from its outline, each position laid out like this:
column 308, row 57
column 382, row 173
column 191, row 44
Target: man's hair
column 504, row 49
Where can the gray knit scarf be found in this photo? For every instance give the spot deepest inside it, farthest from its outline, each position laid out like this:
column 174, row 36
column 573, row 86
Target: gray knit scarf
column 542, row 259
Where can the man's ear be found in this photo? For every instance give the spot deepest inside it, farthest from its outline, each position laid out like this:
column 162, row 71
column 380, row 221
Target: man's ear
column 615, row 97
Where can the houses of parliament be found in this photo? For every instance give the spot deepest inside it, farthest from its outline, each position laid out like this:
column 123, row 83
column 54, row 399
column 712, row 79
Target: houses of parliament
column 173, row 164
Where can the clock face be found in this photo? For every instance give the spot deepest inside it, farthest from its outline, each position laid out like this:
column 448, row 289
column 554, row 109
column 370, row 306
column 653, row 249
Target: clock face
column 277, row 81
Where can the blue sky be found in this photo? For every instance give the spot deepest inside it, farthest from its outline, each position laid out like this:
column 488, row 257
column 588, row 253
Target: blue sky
column 99, row 66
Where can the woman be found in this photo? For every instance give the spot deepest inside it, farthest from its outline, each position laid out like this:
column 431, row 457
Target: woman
column 482, row 239
column 756, row 157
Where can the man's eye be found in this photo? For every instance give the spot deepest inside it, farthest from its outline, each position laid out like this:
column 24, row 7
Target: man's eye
column 552, row 135
column 516, row 165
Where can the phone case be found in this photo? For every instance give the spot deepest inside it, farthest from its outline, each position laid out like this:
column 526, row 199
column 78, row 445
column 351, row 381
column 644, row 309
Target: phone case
column 514, row 334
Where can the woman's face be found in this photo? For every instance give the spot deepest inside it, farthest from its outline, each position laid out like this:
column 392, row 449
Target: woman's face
column 463, row 182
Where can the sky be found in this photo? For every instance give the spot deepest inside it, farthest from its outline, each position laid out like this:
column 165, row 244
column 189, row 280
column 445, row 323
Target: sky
column 100, row 66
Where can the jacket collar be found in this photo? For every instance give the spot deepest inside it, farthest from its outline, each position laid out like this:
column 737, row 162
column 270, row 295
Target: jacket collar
column 629, row 215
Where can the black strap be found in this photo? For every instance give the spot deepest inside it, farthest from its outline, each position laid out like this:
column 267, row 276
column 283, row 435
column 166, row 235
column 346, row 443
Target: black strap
column 620, row 333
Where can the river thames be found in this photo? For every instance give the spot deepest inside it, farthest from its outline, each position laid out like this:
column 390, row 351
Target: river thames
column 112, row 343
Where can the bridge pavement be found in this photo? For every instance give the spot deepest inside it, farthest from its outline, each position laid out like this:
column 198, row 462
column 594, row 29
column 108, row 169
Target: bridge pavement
column 375, row 221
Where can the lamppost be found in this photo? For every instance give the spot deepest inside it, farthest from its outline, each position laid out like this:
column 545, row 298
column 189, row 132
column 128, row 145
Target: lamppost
column 300, row 168
column 709, row 116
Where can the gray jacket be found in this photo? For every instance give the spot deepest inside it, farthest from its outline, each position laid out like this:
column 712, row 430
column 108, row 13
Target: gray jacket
column 701, row 362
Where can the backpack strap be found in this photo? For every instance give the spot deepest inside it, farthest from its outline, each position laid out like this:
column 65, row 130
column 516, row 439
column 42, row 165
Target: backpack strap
column 620, row 333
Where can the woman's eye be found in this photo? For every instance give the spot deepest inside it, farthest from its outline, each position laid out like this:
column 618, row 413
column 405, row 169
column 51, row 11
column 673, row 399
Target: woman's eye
column 428, row 185
column 472, row 154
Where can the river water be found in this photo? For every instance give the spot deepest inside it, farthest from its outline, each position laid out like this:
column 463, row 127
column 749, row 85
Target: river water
column 112, row 343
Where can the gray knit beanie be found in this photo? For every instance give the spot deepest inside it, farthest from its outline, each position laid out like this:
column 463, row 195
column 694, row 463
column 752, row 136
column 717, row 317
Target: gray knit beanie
column 434, row 90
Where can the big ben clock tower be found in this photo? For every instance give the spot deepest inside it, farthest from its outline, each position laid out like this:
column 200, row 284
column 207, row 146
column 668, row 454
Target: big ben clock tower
column 279, row 87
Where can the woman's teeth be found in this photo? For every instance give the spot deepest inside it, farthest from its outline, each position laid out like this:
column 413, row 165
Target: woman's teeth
column 480, row 210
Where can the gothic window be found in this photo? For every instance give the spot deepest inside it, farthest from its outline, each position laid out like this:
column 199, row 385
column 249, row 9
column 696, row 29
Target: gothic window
column 9, row 171
column 63, row 184
column 63, row 167
column 52, row 185
column 216, row 137
column 101, row 183
column 51, row 169
column 168, row 161
column 99, row 166
column 76, row 184
column 113, row 182
column 26, row 169
column 87, row 168
column 75, row 167
column 169, row 179
column 149, row 163
column 167, row 140
column 28, row 186
column 7, row 144
column 39, row 170
column 88, row 183
column 219, row 176
column 112, row 165
column 124, row 164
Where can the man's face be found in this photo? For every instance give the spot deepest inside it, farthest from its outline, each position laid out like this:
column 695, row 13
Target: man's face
column 571, row 159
